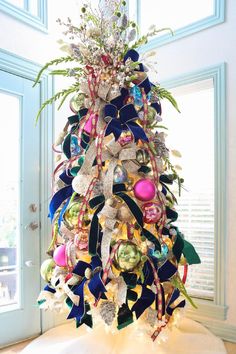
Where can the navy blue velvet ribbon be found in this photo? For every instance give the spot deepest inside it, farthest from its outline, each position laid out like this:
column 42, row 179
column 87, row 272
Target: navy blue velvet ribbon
column 146, row 299
column 58, row 198
column 126, row 121
column 174, row 296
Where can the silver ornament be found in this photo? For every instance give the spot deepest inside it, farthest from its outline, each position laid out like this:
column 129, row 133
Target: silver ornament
column 142, row 157
column 120, row 174
column 108, row 311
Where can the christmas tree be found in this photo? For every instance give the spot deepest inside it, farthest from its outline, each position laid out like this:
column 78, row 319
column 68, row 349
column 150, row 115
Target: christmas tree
column 116, row 253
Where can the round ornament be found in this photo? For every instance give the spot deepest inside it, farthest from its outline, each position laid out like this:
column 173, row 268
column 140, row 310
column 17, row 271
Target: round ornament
column 120, row 174
column 124, row 214
column 144, row 189
column 90, row 123
column 151, row 116
column 125, row 138
column 74, row 147
column 71, row 214
column 142, row 157
column 152, row 212
column 127, row 257
column 46, row 269
column 77, row 102
column 59, row 256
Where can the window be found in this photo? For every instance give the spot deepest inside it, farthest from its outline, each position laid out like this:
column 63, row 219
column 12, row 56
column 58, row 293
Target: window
column 31, row 12
column 192, row 133
column 184, row 17
column 199, row 134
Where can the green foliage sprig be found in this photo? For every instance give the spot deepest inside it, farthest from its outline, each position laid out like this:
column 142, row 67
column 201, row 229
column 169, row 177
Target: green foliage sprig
column 163, row 93
column 175, row 173
column 50, row 63
column 177, row 282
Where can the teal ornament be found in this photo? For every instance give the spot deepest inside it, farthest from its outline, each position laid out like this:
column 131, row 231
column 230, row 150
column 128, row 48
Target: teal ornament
column 74, row 147
column 163, row 254
column 135, row 92
column 120, row 174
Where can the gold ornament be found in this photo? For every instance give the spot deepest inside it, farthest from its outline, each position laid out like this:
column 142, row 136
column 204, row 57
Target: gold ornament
column 71, row 214
column 142, row 157
column 124, row 214
column 46, row 269
column 127, row 257
column 77, row 102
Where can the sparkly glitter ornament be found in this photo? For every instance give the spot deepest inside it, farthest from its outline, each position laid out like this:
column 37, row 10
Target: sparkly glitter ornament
column 125, row 138
column 77, row 102
column 152, row 212
column 127, row 257
column 108, row 311
column 124, row 214
column 59, row 256
column 71, row 214
column 161, row 256
column 120, row 174
column 46, row 269
column 135, row 92
column 144, row 189
column 142, row 157
column 74, row 147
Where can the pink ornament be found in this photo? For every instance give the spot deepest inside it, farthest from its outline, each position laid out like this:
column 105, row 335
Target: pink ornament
column 152, row 212
column 90, row 123
column 125, row 138
column 59, row 256
column 144, row 189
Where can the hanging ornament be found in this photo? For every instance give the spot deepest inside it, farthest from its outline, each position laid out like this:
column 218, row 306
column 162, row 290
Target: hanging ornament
column 46, row 269
column 77, row 102
column 152, row 212
column 91, row 123
column 161, row 256
column 125, row 138
column 71, row 214
column 127, row 257
column 120, row 174
column 59, row 256
column 108, row 311
column 144, row 189
column 152, row 115
column 74, row 146
column 135, row 92
column 142, row 157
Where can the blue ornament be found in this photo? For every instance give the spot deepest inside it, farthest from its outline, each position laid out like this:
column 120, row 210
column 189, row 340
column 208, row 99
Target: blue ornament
column 163, row 254
column 74, row 147
column 136, row 93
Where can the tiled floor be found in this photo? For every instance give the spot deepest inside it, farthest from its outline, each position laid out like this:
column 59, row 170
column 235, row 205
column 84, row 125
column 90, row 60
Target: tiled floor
column 231, row 348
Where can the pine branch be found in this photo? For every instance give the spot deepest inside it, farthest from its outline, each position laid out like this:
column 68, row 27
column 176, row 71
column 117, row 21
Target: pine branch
column 177, row 282
column 163, row 93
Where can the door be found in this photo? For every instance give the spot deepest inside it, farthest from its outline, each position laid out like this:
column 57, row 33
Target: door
column 19, row 209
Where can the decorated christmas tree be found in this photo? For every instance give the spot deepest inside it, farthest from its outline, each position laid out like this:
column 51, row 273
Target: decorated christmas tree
column 116, row 254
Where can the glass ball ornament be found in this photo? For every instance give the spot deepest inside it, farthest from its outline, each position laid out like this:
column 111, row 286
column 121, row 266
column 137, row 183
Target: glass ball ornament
column 127, row 257
column 125, row 138
column 144, row 189
column 120, row 174
column 77, row 102
column 74, row 146
column 59, row 256
column 71, row 214
column 46, row 269
column 142, row 157
column 152, row 212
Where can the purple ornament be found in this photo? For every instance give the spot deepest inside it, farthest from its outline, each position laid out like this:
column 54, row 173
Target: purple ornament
column 144, row 189
column 59, row 256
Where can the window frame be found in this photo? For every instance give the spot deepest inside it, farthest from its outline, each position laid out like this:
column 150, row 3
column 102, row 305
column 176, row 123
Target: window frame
column 37, row 22
column 217, row 308
column 216, row 18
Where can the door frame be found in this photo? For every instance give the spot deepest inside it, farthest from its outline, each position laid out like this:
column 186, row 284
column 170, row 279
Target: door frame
column 17, row 65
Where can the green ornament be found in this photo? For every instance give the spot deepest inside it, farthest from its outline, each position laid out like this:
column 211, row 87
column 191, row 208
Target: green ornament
column 71, row 214
column 151, row 116
column 46, row 269
column 127, row 257
column 77, row 102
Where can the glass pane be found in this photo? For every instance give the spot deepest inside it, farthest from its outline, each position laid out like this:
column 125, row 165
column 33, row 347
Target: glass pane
column 17, row 3
column 192, row 133
column 33, row 7
column 9, row 201
column 173, row 14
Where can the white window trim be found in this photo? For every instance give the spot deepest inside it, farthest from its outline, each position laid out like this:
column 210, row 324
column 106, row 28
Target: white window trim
column 217, row 308
column 38, row 22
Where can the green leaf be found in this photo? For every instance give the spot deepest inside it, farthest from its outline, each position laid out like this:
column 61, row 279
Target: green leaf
column 177, row 282
column 190, row 253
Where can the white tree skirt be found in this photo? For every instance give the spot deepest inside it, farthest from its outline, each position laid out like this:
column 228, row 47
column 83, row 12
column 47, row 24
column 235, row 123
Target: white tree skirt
column 189, row 338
